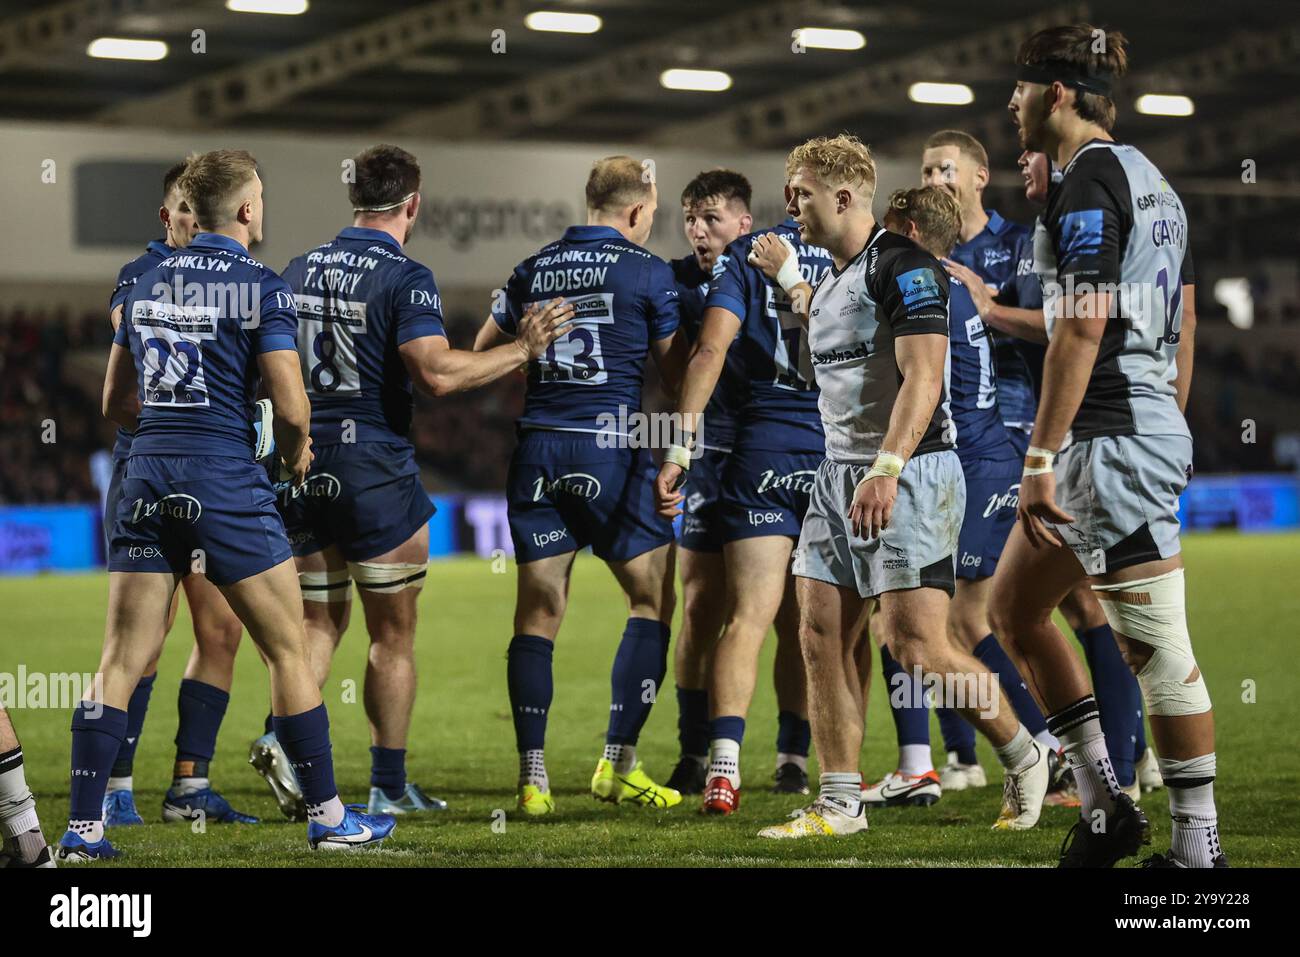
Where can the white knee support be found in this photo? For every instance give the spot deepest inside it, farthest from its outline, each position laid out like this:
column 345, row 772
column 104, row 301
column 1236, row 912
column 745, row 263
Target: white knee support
column 1152, row 611
column 388, row 578
column 331, row 587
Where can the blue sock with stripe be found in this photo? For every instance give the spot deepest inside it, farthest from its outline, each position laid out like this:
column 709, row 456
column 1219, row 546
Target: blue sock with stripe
column 1119, row 699
column 136, row 709
column 911, row 721
column 305, row 738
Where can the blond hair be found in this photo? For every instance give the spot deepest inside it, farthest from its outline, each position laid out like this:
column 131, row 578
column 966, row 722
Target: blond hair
column 617, row 182
column 935, row 213
column 842, row 160
column 213, row 184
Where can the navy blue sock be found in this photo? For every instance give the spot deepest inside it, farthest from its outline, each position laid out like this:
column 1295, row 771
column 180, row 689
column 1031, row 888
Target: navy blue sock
column 199, row 708
column 793, row 734
column 693, row 720
column 388, row 771
column 996, row 660
column 306, row 740
column 911, row 724
column 136, row 709
column 635, row 679
column 727, row 726
column 528, row 676
column 96, row 739
column 1118, row 698
column 958, row 735
column 268, row 726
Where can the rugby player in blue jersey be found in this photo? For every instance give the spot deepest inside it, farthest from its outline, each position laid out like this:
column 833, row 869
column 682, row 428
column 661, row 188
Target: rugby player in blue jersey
column 205, row 688
column 1110, row 453
column 715, row 212
column 370, row 328
column 577, row 478
column 764, row 485
column 197, row 334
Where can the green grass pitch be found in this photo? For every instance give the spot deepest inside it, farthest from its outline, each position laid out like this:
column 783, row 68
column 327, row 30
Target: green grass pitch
column 1244, row 600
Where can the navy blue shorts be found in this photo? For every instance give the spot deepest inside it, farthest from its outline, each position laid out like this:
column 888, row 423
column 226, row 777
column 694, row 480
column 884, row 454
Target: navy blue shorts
column 701, row 521
column 206, row 513
column 111, row 498
column 364, row 498
column 992, row 494
column 564, row 492
column 1019, row 441
column 766, row 493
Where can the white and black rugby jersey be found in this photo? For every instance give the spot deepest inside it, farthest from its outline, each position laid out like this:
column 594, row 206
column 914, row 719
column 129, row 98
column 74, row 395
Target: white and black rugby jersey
column 892, row 288
column 1114, row 222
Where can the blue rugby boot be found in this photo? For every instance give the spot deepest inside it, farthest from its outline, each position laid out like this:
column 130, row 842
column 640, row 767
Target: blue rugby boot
column 205, row 803
column 357, row 829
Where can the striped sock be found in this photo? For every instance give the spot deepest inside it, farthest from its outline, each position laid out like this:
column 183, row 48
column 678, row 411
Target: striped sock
column 1078, row 727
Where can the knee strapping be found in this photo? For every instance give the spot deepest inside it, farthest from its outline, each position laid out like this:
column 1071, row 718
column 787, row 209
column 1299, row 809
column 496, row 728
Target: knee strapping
column 1152, row 611
column 388, row 578
column 326, row 586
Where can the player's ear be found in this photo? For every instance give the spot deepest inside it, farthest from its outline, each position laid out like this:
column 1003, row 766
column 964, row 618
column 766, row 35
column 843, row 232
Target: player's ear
column 981, row 177
column 843, row 199
column 746, row 223
column 165, row 216
column 413, row 206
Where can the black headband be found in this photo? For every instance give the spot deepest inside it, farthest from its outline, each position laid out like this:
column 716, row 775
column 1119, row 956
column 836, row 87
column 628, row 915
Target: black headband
column 1054, row 71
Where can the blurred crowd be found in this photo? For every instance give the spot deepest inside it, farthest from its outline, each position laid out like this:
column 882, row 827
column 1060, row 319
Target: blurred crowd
column 52, row 366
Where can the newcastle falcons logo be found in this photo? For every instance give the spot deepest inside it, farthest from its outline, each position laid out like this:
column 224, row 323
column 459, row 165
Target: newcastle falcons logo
column 187, row 508
column 578, row 484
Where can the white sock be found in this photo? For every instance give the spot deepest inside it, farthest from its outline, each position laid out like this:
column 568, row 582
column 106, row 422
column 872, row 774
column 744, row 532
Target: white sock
column 1018, row 753
column 120, row 784
column 330, row 813
column 798, row 760
column 724, row 761
column 1195, row 838
column 914, row 759
column 623, row 756
column 843, row 789
column 25, row 831
column 183, row 786
column 532, row 769
column 1048, row 740
column 1085, row 754
column 89, row 831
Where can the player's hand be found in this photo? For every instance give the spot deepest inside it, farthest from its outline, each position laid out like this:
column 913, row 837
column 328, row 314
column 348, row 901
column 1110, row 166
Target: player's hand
column 668, row 496
column 872, row 505
column 769, row 253
column 298, row 469
column 541, row 325
column 980, row 294
column 1038, row 509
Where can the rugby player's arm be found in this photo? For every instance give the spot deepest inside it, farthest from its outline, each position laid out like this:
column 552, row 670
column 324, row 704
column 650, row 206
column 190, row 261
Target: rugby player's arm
column 1186, row 348
column 704, row 365
column 1067, row 367
column 1025, row 324
column 121, row 400
column 671, row 354
column 438, row 370
column 920, row 359
column 282, row 379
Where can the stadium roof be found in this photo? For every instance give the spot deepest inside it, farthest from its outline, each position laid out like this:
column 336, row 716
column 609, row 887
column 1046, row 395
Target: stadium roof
column 430, row 69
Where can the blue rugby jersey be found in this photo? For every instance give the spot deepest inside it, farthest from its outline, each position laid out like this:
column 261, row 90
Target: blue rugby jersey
column 358, row 298
column 973, row 392
column 995, row 255
column 195, row 325
column 729, row 396
column 153, row 254
column 624, row 298
column 781, row 412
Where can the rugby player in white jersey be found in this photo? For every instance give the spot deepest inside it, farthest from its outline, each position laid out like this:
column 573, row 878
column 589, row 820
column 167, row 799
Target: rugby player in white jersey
column 887, row 501
column 1114, row 236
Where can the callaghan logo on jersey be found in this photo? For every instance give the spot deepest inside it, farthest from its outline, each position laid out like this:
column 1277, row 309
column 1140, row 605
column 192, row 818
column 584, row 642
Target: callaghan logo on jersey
column 180, row 506
column 994, row 257
column 798, row 481
column 860, row 351
column 919, row 286
column 578, row 484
